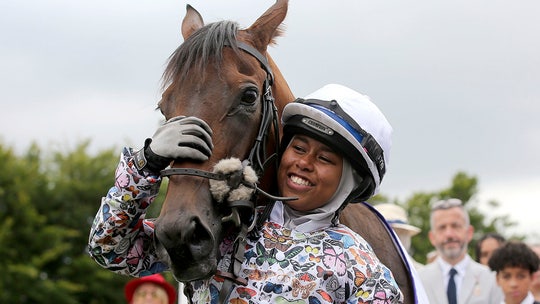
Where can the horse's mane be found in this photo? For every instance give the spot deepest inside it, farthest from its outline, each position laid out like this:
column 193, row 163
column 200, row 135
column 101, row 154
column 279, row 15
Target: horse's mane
column 203, row 46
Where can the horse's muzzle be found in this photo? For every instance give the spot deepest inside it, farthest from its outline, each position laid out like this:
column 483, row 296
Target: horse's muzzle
column 190, row 246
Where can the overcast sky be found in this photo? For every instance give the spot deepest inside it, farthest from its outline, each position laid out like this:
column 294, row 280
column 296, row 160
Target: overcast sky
column 458, row 80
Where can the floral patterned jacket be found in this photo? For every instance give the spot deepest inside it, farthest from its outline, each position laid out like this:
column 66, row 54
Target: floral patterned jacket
column 331, row 265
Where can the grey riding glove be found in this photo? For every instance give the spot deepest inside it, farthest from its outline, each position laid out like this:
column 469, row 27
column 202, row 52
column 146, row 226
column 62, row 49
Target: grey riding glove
column 179, row 138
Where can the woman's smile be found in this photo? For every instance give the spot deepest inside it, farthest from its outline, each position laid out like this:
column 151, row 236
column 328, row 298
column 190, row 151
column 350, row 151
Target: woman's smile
column 309, row 170
column 299, row 180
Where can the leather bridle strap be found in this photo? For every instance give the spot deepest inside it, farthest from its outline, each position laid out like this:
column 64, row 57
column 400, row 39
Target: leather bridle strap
column 262, row 59
column 221, row 176
column 193, row 172
column 257, row 156
column 257, row 159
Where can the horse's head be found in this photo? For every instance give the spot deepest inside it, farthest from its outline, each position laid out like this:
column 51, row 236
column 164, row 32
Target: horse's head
column 220, row 75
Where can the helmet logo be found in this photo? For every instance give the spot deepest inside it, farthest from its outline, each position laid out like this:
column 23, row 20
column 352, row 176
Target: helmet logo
column 312, row 123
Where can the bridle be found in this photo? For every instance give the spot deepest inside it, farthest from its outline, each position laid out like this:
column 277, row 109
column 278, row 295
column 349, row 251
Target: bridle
column 258, row 159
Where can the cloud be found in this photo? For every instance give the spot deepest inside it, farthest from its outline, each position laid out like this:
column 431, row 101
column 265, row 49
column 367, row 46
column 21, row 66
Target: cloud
column 520, row 198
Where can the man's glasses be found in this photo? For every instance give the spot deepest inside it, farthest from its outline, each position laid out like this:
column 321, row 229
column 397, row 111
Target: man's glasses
column 446, row 204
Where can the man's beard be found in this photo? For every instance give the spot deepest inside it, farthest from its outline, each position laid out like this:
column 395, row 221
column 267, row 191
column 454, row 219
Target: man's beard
column 453, row 252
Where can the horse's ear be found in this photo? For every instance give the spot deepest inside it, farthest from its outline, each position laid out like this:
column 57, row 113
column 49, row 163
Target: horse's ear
column 192, row 22
column 266, row 28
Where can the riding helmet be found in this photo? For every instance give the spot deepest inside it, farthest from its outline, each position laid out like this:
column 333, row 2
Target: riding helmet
column 349, row 123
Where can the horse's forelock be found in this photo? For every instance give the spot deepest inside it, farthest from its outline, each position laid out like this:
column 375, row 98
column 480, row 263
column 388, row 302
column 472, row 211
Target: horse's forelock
column 201, row 47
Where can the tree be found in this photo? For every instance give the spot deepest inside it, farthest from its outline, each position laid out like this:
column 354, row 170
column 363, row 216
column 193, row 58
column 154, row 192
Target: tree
column 46, row 207
column 464, row 187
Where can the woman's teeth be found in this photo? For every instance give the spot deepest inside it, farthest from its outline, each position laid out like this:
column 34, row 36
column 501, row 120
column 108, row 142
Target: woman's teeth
column 299, row 181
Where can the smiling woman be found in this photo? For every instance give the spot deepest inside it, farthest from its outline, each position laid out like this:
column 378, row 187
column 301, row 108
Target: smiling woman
column 310, row 171
column 298, row 250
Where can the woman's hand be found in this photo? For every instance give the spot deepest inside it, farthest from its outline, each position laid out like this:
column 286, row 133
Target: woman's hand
column 179, row 138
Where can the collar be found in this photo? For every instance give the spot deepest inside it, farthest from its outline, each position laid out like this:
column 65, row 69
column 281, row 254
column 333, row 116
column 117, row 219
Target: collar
column 460, row 267
column 529, row 299
column 308, row 225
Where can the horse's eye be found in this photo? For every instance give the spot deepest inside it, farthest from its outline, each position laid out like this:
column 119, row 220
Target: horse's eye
column 249, row 96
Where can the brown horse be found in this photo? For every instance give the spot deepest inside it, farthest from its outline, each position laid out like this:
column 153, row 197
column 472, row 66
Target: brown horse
column 222, row 74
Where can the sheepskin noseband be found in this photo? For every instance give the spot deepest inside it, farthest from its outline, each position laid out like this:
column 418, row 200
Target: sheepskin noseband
column 236, row 187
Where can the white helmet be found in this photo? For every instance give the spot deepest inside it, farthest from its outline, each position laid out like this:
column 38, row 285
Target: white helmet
column 349, row 123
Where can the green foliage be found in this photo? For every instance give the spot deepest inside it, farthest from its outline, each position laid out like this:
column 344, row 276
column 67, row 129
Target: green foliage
column 463, row 187
column 46, row 208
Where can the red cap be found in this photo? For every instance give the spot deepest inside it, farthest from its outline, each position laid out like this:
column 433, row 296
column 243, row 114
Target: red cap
column 157, row 279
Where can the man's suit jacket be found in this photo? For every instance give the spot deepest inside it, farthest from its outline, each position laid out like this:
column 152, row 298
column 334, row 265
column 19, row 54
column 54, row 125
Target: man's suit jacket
column 478, row 287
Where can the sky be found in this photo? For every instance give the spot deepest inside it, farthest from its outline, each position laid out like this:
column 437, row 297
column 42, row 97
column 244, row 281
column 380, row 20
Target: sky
column 458, row 80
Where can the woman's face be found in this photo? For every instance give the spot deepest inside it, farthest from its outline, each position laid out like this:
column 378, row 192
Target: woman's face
column 309, row 170
column 487, row 248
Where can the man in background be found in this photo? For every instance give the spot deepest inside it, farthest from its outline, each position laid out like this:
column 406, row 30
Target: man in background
column 454, row 277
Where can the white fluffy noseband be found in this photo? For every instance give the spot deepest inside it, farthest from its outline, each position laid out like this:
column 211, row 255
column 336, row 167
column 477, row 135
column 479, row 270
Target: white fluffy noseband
column 220, row 189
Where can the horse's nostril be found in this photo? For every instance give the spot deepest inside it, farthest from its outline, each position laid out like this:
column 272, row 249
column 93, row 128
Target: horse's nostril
column 186, row 239
column 201, row 240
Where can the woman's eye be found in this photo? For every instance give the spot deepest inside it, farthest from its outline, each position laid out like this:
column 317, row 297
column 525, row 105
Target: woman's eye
column 325, row 159
column 329, row 158
column 298, row 148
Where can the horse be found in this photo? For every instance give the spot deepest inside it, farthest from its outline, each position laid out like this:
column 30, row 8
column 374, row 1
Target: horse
column 225, row 76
